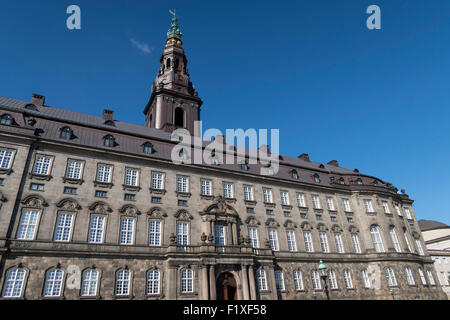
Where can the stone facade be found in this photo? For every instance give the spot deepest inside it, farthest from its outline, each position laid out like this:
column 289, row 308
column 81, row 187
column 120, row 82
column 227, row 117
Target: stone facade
column 50, row 235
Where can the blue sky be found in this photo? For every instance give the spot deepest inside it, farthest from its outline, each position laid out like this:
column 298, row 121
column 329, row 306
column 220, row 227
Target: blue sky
column 376, row 100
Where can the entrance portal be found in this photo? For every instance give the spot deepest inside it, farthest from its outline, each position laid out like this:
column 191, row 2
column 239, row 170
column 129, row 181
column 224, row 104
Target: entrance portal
column 226, row 287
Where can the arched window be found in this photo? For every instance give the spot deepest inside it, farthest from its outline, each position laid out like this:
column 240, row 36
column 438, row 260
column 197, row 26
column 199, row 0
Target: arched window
column 348, row 279
column 394, row 238
column 409, row 276
column 66, row 133
column 6, row 119
column 366, row 279
column 89, row 283
column 390, row 277
column 359, row 181
column 14, row 282
column 168, row 63
column 316, row 280
column 187, row 280
column 110, row 123
column 295, row 174
column 333, row 280
column 53, row 283
column 376, row 239
column 261, row 279
column 148, row 148
column 153, row 281
column 183, row 155
column 109, row 141
column 341, row 180
column 298, row 280
column 179, row 118
column 123, row 281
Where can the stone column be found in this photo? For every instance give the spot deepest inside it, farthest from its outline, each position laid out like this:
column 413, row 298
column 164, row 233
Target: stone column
column 244, row 277
column 251, row 278
column 234, row 232
column 172, row 283
column 212, row 283
column 270, row 272
column 205, row 283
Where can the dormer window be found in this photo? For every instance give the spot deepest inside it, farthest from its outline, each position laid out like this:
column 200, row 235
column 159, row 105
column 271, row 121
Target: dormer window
column 6, row 119
column 215, row 160
column 66, row 133
column 148, row 148
column 109, row 141
column 321, row 166
column 341, row 180
column 110, row 123
column 359, row 181
column 31, row 106
column 244, row 166
column 295, row 174
column 375, row 182
column 316, row 178
column 183, row 155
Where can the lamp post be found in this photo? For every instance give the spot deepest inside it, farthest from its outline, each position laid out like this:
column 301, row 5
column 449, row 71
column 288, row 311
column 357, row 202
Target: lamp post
column 392, row 293
column 324, row 275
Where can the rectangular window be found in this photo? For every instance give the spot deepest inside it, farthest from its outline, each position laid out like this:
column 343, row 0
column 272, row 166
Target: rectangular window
column 308, row 241
column 156, row 200
column 182, row 184
column 42, row 165
column 104, row 173
column 408, row 213
column 63, row 227
column 319, row 217
column 157, row 180
column 261, row 279
column 316, row 280
column 96, row 229
column 269, row 212
column 228, row 190
column 298, row 281
column 219, row 233
column 346, row 204
column 330, row 204
column 182, row 233
column 284, row 198
column 395, row 239
column 419, row 247
column 422, row 277
column 368, row 205
column 355, row 241
column 366, row 279
column 267, row 195
column 37, row 187
column 333, row 218
column 250, row 210
column 70, row 190
column 126, row 231
column 73, row 170
column 348, row 279
column 1, row 181
column 273, row 239
column 349, row 219
column 292, row 245
column 405, row 234
column 182, row 203
column 28, row 225
column 409, row 277
column 131, row 177
column 154, row 233
column 431, row 278
column 5, row 158
column 287, row 213
column 303, row 215
column 129, row 197
column 301, row 200
column 385, row 207
column 339, row 243
column 333, row 281
column 316, row 202
column 206, row 187
column 100, row 194
column 279, row 280
column 248, row 193
column 397, row 209
column 324, row 242
column 253, row 235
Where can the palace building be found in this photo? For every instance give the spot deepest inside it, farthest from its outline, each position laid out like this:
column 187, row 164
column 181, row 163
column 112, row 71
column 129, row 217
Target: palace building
column 94, row 208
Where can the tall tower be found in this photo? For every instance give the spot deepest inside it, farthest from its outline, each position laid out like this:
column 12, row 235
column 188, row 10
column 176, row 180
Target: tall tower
column 174, row 103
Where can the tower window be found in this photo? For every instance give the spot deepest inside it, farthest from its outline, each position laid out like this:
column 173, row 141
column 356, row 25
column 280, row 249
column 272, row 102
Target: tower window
column 168, row 63
column 179, row 118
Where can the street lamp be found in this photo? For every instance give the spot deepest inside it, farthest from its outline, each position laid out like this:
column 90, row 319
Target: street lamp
column 324, row 275
column 392, row 293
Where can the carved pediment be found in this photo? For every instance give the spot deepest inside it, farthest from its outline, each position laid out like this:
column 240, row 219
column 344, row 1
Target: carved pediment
column 336, row 228
column 252, row 222
column 289, row 224
column 220, row 207
column 306, row 226
column 353, row 229
column 415, row 235
column 156, row 213
column 34, row 201
column 322, row 227
column 68, row 204
column 100, row 207
column 271, row 222
column 183, row 215
column 129, row 210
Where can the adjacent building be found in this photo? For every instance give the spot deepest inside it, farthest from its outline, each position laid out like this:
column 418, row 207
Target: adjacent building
column 94, row 208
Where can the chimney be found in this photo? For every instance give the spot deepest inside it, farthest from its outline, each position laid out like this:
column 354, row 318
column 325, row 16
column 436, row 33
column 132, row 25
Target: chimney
column 304, row 156
column 333, row 163
column 37, row 99
column 108, row 115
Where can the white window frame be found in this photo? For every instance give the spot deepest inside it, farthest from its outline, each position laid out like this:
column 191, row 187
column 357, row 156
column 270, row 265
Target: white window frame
column 182, row 233
column 74, row 169
column 366, row 279
column 127, row 225
column 6, row 158
column 339, row 242
column 267, row 194
column 284, row 198
column 187, row 280
column 228, row 190
column 292, row 243
column 63, row 236
column 390, row 277
column 131, row 177
column 309, row 246
column 324, row 242
column 206, row 187
column 422, row 276
column 183, row 184
column 385, row 205
column 273, row 239
column 89, row 283
column 408, row 244
column 53, row 283
column 330, row 204
column 298, row 280
column 97, row 225
column 14, row 283
column 42, row 165
column 356, row 244
column 419, row 247
column 301, row 200
column 220, row 232
column 377, row 241
column 253, row 235
column 28, row 225
column 333, row 280
column 316, row 202
column 154, row 232
column 157, row 182
column 123, row 280
column 409, row 276
column 261, row 279
column 104, row 173
column 348, row 279
column 368, row 205
column 394, row 239
column 153, row 282
column 346, row 204
column 315, row 278
column 248, row 193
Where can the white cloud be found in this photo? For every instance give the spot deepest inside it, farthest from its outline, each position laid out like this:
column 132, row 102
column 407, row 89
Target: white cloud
column 141, row 46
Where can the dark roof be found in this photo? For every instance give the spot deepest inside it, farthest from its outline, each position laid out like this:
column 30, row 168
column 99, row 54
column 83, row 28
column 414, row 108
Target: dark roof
column 425, row 225
column 90, row 130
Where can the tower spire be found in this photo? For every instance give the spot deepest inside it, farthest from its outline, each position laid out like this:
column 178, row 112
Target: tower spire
column 174, row 102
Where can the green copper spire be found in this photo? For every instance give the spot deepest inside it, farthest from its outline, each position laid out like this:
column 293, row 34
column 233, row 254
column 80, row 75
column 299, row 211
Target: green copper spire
column 174, row 28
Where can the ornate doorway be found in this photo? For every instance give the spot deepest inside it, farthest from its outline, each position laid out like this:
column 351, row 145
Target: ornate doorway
column 226, row 287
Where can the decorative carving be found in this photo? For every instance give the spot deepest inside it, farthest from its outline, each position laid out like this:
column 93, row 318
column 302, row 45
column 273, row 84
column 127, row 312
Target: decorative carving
column 100, row 207
column 289, row 224
column 34, row 201
column 68, row 204
column 220, row 208
column 183, row 215
column 130, row 210
column 210, row 238
column 322, row 227
column 2, row 197
column 336, row 228
column 353, row 229
column 203, row 237
column 173, row 239
column 306, row 226
column 252, row 222
column 271, row 222
column 416, row 235
column 156, row 213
